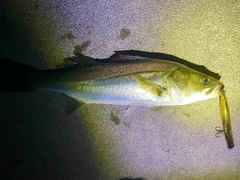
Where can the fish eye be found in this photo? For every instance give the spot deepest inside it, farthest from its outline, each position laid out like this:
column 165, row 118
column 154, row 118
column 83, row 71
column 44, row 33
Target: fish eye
column 205, row 80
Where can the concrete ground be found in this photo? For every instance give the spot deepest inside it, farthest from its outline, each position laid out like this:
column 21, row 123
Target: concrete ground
column 38, row 141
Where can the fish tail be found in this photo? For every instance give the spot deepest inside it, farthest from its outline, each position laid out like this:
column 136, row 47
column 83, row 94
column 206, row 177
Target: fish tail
column 17, row 77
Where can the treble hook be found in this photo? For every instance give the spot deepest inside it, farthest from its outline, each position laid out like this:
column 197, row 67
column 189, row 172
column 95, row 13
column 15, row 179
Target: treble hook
column 219, row 131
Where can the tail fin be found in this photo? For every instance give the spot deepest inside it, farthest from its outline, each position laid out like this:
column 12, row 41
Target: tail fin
column 16, row 77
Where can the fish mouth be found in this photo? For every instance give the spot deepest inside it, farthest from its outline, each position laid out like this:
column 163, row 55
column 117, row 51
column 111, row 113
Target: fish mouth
column 215, row 90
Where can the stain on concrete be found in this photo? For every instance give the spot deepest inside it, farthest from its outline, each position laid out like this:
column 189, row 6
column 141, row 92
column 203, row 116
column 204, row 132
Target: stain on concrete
column 78, row 49
column 124, row 33
column 115, row 119
column 89, row 30
column 127, row 124
column 186, row 114
column 140, row 42
column 68, row 35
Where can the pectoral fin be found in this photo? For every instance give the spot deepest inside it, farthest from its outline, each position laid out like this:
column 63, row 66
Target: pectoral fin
column 150, row 86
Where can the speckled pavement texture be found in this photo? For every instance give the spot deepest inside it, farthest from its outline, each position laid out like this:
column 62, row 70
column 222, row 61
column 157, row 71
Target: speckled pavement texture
column 38, row 141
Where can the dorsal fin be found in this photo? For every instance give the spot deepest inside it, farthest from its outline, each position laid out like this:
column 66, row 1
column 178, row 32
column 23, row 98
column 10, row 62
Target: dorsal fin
column 77, row 59
column 135, row 55
column 130, row 55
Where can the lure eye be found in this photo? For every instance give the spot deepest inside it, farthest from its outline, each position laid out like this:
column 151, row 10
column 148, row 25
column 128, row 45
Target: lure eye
column 205, row 80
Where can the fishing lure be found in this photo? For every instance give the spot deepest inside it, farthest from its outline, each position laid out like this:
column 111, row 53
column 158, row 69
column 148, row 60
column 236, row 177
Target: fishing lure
column 226, row 121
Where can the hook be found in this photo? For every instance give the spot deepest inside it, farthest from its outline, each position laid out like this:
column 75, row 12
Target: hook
column 219, row 131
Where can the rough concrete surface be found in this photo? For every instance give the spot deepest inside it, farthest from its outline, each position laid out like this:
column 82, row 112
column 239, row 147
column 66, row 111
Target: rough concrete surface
column 38, row 141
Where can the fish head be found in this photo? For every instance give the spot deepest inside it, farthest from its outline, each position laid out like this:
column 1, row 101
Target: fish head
column 186, row 86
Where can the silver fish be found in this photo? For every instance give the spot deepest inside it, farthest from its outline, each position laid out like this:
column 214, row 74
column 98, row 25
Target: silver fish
column 125, row 78
column 132, row 78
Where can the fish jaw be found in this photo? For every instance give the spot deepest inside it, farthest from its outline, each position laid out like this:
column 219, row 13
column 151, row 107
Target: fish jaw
column 206, row 94
column 214, row 91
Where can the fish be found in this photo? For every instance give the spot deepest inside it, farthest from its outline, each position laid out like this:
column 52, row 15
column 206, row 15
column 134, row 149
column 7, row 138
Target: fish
column 132, row 78
column 128, row 77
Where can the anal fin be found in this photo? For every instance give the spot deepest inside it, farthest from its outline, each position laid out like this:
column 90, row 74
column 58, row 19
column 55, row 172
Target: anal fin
column 71, row 105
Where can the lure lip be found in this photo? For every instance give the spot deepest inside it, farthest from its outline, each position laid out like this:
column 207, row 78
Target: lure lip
column 226, row 121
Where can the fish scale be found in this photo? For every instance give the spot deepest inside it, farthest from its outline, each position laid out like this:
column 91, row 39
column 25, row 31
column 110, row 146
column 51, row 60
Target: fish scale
column 122, row 90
